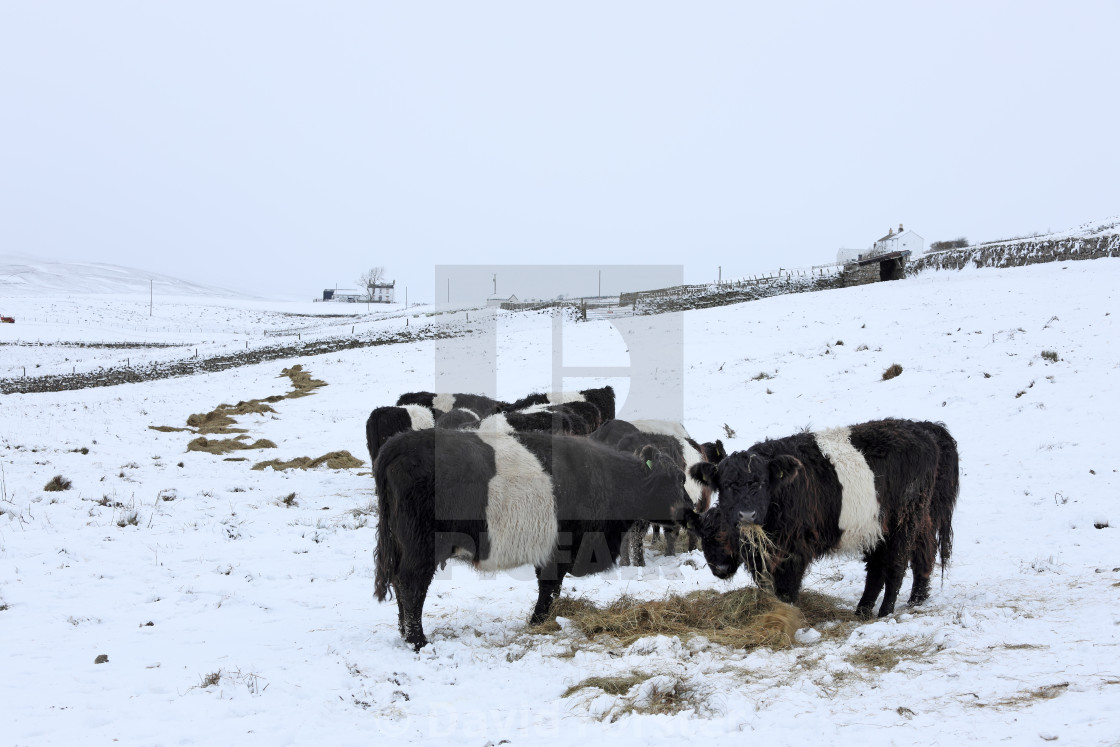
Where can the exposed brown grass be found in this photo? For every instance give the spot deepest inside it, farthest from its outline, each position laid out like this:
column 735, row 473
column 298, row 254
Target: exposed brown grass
column 1027, row 697
column 333, row 460
column 744, row 618
column 892, row 372
column 609, row 685
column 57, row 483
column 886, row 656
column 225, row 446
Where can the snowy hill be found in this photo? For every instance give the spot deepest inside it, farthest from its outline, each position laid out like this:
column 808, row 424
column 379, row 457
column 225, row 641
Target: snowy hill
column 228, row 601
column 20, row 276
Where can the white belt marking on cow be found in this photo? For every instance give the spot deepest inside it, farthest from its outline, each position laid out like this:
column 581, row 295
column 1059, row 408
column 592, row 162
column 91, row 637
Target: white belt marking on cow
column 420, row 416
column 443, row 402
column 860, row 526
column 495, row 424
column 562, row 398
column 520, row 507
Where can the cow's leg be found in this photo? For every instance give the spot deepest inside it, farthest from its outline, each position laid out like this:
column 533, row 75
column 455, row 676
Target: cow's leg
column 549, row 579
column 627, row 540
column 900, row 544
column 670, row 540
column 787, row 578
column 637, row 542
column 876, row 563
column 922, row 560
column 411, row 588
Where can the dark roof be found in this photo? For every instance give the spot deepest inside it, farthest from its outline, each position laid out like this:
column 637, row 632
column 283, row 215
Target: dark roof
column 884, row 257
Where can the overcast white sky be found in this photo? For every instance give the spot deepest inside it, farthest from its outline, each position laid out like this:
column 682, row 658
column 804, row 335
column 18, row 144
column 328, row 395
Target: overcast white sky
column 284, row 147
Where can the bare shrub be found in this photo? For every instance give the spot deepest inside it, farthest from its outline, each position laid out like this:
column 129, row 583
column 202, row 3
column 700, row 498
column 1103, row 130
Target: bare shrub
column 58, row 482
column 892, row 372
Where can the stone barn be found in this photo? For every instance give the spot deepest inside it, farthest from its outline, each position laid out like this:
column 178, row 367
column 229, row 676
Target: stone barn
column 886, row 260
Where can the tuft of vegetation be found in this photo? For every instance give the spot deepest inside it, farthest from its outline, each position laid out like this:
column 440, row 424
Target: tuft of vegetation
column 609, row 685
column 1051, row 356
column 728, row 431
column 762, row 376
column 129, row 518
column 892, row 372
column 289, row 500
column 83, row 450
column 959, row 243
column 211, row 679
column 57, row 483
column 101, row 659
column 886, row 656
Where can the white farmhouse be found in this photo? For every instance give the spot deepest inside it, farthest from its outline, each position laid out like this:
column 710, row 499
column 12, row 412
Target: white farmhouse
column 903, row 241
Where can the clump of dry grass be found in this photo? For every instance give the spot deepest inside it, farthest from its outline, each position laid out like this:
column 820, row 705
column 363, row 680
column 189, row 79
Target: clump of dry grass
column 225, row 446
column 301, row 381
column 744, row 618
column 1050, row 355
column 57, row 483
column 609, row 685
column 755, row 543
column 169, row 429
column 886, row 656
column 891, row 372
column 333, row 460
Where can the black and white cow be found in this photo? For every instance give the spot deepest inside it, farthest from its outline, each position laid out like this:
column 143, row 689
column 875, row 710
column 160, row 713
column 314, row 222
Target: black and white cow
column 650, row 431
column 602, row 398
column 385, row 422
column 866, row 489
column 441, row 404
column 459, row 417
column 501, row 500
column 551, row 419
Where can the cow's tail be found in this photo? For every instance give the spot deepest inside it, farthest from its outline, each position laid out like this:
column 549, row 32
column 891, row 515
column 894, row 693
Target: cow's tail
column 387, row 557
column 945, row 496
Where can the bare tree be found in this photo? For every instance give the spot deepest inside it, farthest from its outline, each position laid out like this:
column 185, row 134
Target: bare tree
column 371, row 277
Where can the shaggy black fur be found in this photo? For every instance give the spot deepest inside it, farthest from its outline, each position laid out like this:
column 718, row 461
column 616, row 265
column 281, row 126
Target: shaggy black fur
column 602, row 398
column 384, row 423
column 432, row 488
column 479, row 404
column 459, row 417
column 790, row 489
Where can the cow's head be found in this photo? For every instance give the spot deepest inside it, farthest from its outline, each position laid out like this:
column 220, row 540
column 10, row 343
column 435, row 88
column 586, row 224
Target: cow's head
column 713, row 451
column 717, row 541
column 669, row 505
column 745, row 481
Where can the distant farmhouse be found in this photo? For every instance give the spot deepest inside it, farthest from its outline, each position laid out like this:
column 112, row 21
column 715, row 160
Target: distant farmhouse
column 886, row 260
column 380, row 293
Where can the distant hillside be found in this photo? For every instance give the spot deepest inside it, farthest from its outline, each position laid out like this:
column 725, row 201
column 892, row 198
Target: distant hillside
column 1089, row 241
column 21, row 276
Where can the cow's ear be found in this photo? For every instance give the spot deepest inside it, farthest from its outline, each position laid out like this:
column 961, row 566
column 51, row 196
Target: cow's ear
column 720, row 451
column 705, row 473
column 649, row 455
column 691, row 521
column 784, row 468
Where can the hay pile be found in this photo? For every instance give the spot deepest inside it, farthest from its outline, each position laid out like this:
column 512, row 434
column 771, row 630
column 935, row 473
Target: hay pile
column 333, row 460
column 744, row 618
column 301, row 381
column 226, row 445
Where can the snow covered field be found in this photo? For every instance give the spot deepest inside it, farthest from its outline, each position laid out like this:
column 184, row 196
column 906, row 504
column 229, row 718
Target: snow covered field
column 231, row 611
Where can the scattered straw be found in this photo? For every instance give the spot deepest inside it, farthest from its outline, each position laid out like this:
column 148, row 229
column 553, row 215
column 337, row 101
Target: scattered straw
column 609, row 685
column 755, row 543
column 301, row 381
column 333, row 460
column 891, row 372
column 225, row 446
column 744, row 618
column 169, row 429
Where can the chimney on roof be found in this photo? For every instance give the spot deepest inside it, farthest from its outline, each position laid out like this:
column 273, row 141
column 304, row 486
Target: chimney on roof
column 900, row 228
column 890, row 232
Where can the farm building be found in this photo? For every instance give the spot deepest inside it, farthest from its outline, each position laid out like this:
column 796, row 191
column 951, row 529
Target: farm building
column 380, row 293
column 886, row 260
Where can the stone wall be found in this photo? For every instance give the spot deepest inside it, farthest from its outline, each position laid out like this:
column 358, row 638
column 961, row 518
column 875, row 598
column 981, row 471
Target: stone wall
column 1021, row 253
